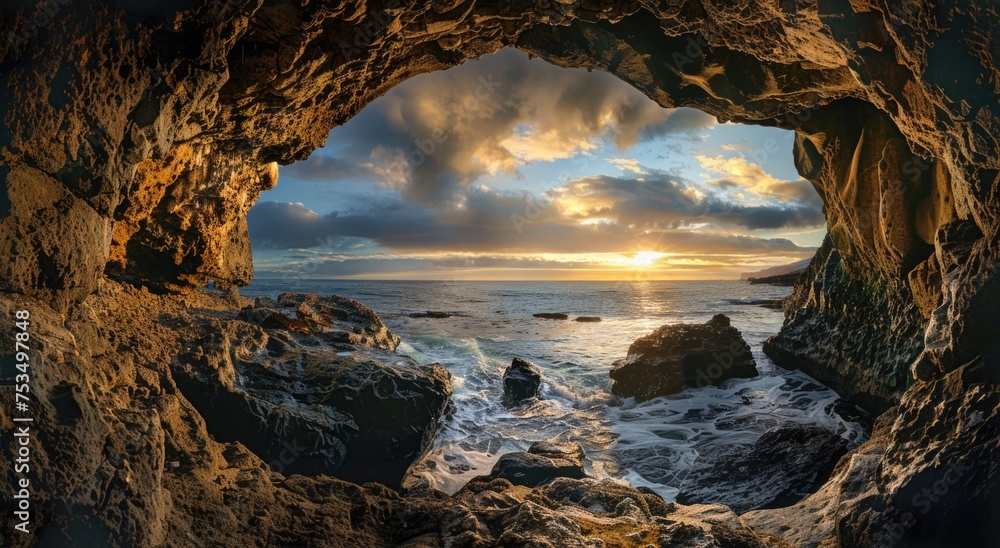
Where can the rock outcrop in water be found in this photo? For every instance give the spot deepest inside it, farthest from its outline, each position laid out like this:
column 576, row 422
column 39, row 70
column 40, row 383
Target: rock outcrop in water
column 541, row 463
column 679, row 356
column 333, row 399
column 137, row 135
column 521, row 381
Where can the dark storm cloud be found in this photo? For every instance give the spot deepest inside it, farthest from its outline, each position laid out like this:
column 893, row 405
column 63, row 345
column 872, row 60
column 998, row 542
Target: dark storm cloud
column 321, row 167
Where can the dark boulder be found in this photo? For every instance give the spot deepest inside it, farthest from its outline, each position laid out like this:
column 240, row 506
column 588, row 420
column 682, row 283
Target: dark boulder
column 543, row 462
column 679, row 356
column 304, row 404
column 432, row 314
column 551, row 316
column 588, row 319
column 520, row 382
column 398, row 407
column 339, row 321
column 781, row 467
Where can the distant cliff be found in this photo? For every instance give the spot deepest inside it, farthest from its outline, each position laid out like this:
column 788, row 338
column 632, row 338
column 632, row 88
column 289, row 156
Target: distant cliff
column 781, row 272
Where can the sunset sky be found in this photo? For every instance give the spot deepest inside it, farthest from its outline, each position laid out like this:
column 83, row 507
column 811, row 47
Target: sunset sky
column 508, row 168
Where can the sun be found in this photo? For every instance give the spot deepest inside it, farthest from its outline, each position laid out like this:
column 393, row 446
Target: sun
column 645, row 259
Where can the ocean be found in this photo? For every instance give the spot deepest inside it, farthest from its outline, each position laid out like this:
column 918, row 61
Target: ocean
column 652, row 444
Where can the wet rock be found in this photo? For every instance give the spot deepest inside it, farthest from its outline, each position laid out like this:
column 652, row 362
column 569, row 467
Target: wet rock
column 588, row 319
column 919, row 480
column 868, row 366
column 781, row 467
column 431, row 314
column 336, row 320
column 564, row 512
column 542, row 463
column 312, row 408
column 161, row 138
column 551, row 316
column 679, row 356
column 521, row 381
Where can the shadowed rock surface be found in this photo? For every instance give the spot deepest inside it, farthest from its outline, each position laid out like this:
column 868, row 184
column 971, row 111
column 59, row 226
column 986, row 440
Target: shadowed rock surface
column 136, row 137
column 566, row 512
column 520, row 382
column 309, row 402
column 588, row 319
column 432, row 314
column 781, row 467
column 551, row 316
column 679, row 356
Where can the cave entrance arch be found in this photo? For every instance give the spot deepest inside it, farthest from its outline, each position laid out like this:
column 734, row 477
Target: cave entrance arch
column 160, row 145
column 183, row 221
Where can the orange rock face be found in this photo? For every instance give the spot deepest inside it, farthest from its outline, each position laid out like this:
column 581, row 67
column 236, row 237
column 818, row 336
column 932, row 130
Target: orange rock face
column 136, row 137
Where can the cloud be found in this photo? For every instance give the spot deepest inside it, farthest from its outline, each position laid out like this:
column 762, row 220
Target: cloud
column 435, row 134
column 628, row 164
column 662, row 200
column 488, row 223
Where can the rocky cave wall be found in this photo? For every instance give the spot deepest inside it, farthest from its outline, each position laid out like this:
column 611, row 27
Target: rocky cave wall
column 137, row 135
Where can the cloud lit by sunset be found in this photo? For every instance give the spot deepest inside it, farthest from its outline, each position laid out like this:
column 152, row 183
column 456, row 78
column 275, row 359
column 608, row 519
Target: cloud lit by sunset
column 508, row 168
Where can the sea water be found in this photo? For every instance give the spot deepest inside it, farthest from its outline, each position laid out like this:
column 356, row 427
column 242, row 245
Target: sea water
column 652, row 444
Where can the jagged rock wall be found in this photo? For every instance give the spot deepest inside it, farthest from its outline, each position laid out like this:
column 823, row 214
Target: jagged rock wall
column 136, row 136
column 155, row 127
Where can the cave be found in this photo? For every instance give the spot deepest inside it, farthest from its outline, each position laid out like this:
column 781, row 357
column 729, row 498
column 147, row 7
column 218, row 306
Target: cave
column 137, row 136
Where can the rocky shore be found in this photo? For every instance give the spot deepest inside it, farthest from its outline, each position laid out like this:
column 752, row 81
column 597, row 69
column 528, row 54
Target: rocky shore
column 136, row 137
column 165, row 418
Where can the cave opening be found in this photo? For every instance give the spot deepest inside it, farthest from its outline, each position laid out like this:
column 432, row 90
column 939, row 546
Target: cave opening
column 464, row 202
column 137, row 140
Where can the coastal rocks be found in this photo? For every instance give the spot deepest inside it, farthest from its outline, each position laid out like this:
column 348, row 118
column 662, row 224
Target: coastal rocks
column 587, row 319
column 521, row 381
column 928, row 476
column 432, row 314
column 336, row 320
column 312, row 407
column 565, row 512
column 868, row 359
column 542, row 463
column 141, row 156
column 679, row 356
column 551, row 316
column 781, row 467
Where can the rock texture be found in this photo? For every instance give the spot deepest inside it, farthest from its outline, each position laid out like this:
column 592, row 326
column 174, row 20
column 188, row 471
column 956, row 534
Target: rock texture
column 521, row 381
column 551, row 316
column 781, row 467
column 566, row 512
column 321, row 394
column 541, row 463
column 927, row 477
column 123, row 457
column 679, row 356
column 137, row 135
